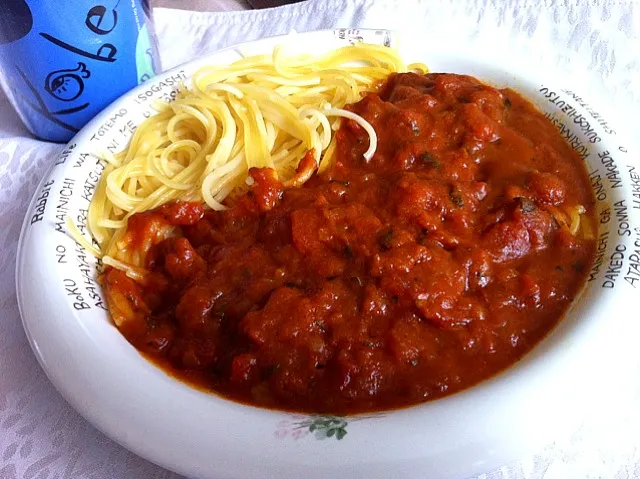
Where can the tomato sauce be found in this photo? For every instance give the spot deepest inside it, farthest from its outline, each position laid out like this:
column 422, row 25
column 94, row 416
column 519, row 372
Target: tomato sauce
column 377, row 284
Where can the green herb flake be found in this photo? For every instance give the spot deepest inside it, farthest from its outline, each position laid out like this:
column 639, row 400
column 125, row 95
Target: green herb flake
column 526, row 205
column 385, row 240
column 456, row 198
column 429, row 160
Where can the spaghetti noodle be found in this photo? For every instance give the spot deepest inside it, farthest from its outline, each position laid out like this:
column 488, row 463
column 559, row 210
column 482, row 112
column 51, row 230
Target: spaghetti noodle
column 261, row 111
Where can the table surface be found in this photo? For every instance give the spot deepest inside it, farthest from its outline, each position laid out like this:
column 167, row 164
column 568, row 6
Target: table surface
column 42, row 437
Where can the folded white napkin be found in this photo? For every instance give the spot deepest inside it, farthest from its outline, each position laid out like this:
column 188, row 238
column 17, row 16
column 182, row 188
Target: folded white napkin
column 593, row 44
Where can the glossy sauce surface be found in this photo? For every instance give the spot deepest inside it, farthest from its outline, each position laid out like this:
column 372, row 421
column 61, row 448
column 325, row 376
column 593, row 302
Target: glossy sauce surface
column 377, row 284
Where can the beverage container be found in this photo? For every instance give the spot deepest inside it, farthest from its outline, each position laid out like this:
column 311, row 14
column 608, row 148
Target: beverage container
column 62, row 61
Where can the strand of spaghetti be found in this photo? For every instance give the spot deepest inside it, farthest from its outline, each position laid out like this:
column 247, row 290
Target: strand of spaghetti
column 133, row 272
column 215, row 74
column 167, row 177
column 562, row 217
column 176, row 155
column 238, row 146
column 344, row 85
column 323, row 121
column 261, row 139
column 316, row 146
column 173, row 133
column 327, row 159
column 98, row 208
column 225, row 191
column 227, row 139
column 247, row 131
column 224, row 87
column 182, row 126
column 134, row 204
column 114, row 181
column 285, row 66
column 296, row 92
column 279, row 156
column 374, row 54
column 293, row 154
column 109, row 158
column 77, row 235
column 288, row 144
column 207, row 184
column 277, row 110
column 140, row 132
column 186, row 106
column 132, row 185
column 271, row 135
column 286, row 121
column 337, row 57
column 112, row 224
column 183, row 175
column 418, row 67
column 273, row 80
column 233, row 166
column 373, row 138
column 574, row 214
column 148, row 184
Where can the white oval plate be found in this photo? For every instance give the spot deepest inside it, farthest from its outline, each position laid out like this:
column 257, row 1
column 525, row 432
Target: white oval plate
column 202, row 435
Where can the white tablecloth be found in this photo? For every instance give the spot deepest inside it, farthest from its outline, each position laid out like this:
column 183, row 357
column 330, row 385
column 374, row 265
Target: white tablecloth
column 594, row 44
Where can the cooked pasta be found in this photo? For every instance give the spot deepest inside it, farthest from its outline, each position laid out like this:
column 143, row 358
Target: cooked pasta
column 261, row 111
column 571, row 218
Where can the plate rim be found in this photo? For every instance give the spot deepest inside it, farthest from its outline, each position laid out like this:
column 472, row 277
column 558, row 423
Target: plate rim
column 115, row 434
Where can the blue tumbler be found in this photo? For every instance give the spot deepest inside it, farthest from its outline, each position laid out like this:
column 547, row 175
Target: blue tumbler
column 62, row 61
